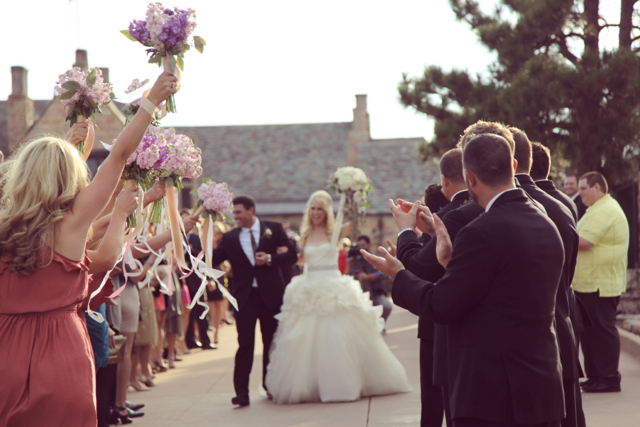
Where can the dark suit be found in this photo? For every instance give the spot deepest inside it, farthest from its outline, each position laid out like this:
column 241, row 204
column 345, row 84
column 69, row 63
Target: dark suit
column 262, row 302
column 422, row 261
column 497, row 299
column 562, row 217
column 549, row 187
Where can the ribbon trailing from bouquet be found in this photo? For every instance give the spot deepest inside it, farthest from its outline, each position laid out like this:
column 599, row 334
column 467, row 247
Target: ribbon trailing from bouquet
column 176, row 226
column 140, row 213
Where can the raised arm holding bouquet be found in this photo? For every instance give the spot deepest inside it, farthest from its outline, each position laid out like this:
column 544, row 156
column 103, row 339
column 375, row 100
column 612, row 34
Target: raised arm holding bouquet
column 353, row 186
column 166, row 33
column 83, row 95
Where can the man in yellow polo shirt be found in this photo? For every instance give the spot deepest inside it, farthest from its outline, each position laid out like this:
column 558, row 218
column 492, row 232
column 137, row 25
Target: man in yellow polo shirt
column 600, row 278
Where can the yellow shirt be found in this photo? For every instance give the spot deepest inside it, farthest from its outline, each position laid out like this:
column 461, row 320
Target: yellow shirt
column 603, row 267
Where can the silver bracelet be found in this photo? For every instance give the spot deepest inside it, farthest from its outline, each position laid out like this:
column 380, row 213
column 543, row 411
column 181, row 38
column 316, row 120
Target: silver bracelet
column 147, row 106
column 405, row 229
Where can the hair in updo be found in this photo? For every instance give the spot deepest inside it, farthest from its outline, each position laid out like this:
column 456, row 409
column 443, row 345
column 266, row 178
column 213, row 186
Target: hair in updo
column 325, row 200
column 38, row 187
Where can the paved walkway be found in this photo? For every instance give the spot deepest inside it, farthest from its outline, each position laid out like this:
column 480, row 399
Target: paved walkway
column 198, row 393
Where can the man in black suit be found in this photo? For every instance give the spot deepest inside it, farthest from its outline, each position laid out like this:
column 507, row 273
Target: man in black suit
column 571, row 189
column 540, row 167
column 497, row 299
column 563, row 218
column 421, row 260
column 258, row 285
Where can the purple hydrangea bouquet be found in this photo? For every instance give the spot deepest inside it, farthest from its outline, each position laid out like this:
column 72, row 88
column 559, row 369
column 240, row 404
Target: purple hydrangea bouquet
column 83, row 94
column 166, row 34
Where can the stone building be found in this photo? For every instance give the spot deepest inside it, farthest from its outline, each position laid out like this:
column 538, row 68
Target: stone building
column 279, row 165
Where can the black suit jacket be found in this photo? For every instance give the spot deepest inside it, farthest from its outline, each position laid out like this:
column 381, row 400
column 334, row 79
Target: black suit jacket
column 497, row 299
column 418, row 256
column 581, row 207
column 271, row 283
column 563, row 219
column 549, row 187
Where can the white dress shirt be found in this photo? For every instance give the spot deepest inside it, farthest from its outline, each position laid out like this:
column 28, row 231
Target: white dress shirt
column 245, row 242
column 494, row 199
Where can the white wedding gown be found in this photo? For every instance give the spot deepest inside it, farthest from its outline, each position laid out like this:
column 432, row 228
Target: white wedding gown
column 328, row 346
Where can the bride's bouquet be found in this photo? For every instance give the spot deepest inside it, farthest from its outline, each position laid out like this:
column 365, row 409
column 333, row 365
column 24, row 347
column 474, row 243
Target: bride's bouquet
column 166, row 34
column 83, row 94
column 354, row 185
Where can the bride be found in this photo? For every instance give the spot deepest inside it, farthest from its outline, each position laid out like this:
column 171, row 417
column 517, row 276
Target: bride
column 328, row 346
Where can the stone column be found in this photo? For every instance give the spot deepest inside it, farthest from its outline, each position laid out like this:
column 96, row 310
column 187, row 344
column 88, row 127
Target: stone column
column 359, row 129
column 20, row 110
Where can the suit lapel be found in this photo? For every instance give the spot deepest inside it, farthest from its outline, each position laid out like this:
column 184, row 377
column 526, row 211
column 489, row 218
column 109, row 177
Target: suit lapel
column 240, row 248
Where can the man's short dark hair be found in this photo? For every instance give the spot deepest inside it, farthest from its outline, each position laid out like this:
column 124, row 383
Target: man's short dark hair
column 573, row 174
column 365, row 238
column 482, row 127
column 433, row 197
column 541, row 161
column 523, row 150
column 451, row 166
column 245, row 201
column 489, row 157
column 594, row 178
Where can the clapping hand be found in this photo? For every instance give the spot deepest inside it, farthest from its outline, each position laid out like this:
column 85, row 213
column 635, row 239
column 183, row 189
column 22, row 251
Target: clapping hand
column 385, row 264
column 393, row 249
column 424, row 217
column 157, row 192
column 443, row 245
column 127, row 200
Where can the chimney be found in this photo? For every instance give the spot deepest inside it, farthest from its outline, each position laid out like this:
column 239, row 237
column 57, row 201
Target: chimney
column 81, row 60
column 359, row 128
column 105, row 74
column 20, row 111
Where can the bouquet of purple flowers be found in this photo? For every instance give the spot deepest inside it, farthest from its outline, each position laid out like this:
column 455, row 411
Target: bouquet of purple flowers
column 214, row 199
column 166, row 32
column 83, row 94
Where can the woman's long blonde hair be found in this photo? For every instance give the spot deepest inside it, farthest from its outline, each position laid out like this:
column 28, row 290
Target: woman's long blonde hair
column 324, row 199
column 39, row 186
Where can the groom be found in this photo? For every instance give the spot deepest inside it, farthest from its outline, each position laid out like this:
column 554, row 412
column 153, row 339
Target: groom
column 257, row 284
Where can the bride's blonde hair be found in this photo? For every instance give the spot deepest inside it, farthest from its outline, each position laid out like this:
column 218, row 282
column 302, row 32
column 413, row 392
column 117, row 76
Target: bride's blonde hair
column 324, row 199
column 39, row 185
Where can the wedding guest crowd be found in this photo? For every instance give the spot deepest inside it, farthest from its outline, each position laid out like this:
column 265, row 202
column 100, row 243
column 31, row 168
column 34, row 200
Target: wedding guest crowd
column 507, row 258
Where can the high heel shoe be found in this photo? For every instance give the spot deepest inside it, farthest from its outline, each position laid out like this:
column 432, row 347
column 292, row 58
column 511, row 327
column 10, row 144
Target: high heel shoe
column 140, row 387
column 147, row 381
column 158, row 367
column 116, row 415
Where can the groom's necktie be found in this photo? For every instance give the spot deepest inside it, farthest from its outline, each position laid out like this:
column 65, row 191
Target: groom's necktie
column 254, row 246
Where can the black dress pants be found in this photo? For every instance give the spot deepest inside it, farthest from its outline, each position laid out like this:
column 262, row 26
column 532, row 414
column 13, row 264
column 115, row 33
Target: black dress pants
column 601, row 342
column 430, row 395
column 105, row 390
column 194, row 317
column 474, row 422
column 246, row 324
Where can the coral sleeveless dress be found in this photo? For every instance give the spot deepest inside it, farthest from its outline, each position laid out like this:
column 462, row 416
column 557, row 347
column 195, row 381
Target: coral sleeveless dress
column 46, row 361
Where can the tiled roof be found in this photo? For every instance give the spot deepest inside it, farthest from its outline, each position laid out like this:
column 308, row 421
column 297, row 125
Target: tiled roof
column 39, row 107
column 281, row 165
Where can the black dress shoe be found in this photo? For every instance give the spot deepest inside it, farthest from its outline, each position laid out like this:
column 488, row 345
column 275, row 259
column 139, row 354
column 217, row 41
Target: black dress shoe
column 240, row 400
column 134, row 414
column 209, row 347
column 134, row 406
column 193, row 344
column 588, row 382
column 599, row 387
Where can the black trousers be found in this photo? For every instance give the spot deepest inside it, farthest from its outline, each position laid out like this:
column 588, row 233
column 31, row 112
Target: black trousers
column 383, row 300
column 105, row 392
column 474, row 422
column 601, row 342
column 194, row 317
column 430, row 395
column 246, row 324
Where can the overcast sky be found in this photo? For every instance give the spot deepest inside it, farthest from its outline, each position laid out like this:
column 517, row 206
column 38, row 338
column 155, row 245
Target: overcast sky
column 266, row 62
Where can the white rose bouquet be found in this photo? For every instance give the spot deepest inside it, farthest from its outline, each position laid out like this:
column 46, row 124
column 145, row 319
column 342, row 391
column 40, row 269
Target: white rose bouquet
column 354, row 184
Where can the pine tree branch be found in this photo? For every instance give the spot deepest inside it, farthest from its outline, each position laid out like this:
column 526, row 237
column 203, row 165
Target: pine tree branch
column 561, row 41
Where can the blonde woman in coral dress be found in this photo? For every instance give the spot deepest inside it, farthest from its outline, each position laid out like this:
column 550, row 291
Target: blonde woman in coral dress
column 328, row 346
column 47, row 208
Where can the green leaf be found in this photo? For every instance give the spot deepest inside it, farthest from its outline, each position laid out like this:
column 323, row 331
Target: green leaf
column 128, row 35
column 180, row 63
column 205, row 180
column 155, row 59
column 71, row 85
column 199, row 43
column 91, row 78
column 68, row 94
column 205, row 214
column 92, row 103
column 194, row 192
column 171, row 182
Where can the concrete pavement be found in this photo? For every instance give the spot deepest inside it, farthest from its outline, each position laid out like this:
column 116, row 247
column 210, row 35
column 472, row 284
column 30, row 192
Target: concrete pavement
column 198, row 393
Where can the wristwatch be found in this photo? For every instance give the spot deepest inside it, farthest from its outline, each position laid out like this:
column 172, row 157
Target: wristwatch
column 268, row 259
